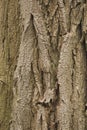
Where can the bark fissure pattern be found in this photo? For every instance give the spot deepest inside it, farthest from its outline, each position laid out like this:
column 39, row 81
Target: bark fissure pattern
column 43, row 62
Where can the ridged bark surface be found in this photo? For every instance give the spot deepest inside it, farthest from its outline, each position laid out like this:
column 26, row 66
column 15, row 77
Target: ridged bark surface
column 43, row 64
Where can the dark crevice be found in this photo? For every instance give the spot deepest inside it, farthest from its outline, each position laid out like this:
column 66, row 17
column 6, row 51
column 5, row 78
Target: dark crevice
column 79, row 30
column 72, row 76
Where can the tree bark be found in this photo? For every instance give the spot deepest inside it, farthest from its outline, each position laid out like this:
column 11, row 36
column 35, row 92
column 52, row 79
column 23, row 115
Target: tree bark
column 43, row 65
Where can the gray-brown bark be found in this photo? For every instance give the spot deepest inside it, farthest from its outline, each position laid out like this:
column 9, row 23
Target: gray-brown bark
column 47, row 72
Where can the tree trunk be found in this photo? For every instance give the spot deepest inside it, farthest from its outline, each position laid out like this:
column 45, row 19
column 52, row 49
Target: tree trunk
column 43, row 65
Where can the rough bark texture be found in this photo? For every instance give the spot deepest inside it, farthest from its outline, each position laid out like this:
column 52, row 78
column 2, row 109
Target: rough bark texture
column 43, row 64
